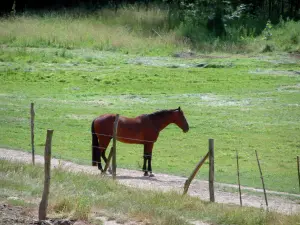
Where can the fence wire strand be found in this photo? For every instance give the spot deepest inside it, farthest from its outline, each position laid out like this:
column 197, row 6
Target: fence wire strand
column 126, row 138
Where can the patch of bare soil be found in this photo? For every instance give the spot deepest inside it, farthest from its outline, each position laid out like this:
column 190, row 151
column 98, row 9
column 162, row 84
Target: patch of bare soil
column 278, row 201
column 19, row 215
column 14, row 215
column 295, row 54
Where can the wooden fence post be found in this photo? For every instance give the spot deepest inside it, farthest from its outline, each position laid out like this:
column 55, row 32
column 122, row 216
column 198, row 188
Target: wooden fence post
column 238, row 174
column 211, row 170
column 189, row 180
column 32, row 115
column 114, row 155
column 298, row 166
column 44, row 202
column 262, row 180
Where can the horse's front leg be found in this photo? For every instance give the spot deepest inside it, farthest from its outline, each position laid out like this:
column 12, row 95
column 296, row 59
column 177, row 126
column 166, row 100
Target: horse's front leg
column 149, row 166
column 144, row 165
column 147, row 158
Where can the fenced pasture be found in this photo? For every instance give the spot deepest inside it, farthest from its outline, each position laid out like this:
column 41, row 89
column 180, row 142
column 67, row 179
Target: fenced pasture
column 245, row 103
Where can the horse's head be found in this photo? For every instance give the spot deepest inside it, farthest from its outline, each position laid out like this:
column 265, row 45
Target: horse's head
column 180, row 120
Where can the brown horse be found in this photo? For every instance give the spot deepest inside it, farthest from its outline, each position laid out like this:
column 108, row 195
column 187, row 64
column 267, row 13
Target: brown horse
column 143, row 129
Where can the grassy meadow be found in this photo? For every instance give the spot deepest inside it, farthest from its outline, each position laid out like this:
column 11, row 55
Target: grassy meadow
column 86, row 197
column 76, row 68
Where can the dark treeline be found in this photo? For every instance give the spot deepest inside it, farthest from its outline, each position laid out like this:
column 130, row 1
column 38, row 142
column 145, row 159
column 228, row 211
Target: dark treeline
column 270, row 8
column 21, row 5
column 220, row 17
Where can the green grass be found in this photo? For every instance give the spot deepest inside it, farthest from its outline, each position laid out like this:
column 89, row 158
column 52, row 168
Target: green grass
column 75, row 66
column 245, row 103
column 82, row 196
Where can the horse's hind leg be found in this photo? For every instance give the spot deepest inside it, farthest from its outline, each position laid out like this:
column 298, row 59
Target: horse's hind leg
column 103, row 143
column 106, row 161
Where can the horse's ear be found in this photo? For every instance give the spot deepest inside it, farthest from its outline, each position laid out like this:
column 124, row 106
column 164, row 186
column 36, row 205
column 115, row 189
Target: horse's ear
column 179, row 108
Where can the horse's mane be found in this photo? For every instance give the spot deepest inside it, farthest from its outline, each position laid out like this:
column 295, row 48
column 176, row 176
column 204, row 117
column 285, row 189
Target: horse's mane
column 160, row 113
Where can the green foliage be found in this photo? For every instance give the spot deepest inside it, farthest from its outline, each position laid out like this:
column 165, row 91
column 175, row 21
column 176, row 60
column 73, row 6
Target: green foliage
column 286, row 36
column 267, row 32
column 225, row 20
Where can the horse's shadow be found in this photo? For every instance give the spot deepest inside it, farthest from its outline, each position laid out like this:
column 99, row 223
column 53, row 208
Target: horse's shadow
column 146, row 178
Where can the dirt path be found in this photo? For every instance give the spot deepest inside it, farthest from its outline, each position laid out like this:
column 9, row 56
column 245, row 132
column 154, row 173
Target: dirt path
column 277, row 200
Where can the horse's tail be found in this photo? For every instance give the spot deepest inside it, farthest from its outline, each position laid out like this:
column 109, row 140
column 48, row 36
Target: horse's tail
column 95, row 146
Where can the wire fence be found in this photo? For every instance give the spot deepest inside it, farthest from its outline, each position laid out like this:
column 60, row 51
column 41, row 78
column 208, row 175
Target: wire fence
column 44, row 124
column 126, row 138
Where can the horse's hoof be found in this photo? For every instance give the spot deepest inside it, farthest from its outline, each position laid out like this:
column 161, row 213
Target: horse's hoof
column 146, row 174
column 151, row 175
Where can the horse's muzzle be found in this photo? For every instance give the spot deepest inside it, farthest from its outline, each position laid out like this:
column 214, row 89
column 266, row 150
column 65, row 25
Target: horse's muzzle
column 186, row 129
